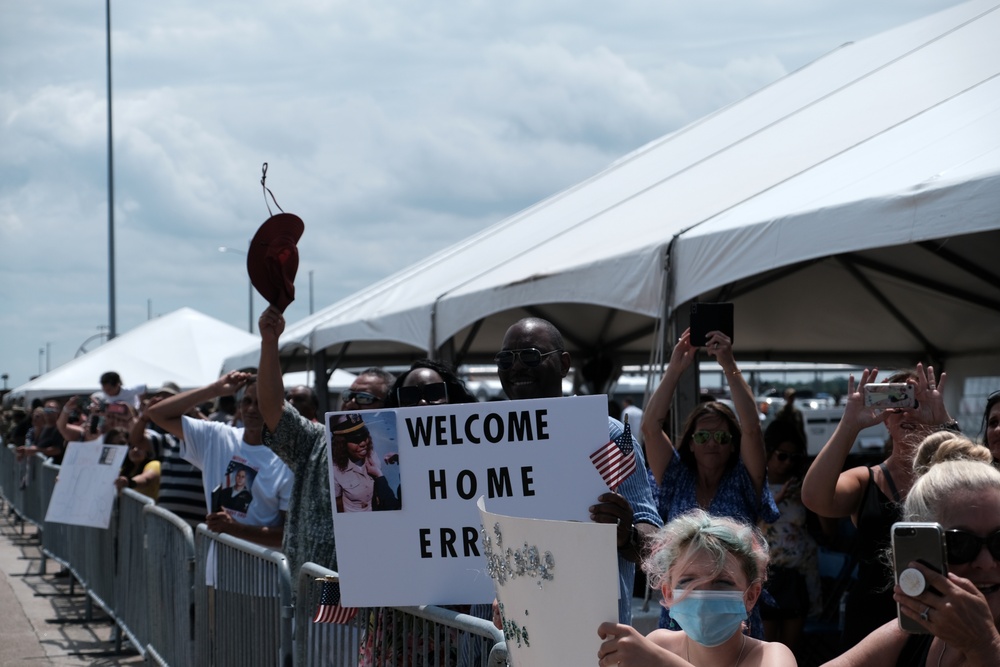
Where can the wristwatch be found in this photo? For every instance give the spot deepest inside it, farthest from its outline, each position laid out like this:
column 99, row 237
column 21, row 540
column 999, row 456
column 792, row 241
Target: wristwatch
column 949, row 426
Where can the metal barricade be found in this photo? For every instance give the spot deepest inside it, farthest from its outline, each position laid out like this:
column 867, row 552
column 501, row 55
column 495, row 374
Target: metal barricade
column 8, row 474
column 34, row 499
column 98, row 571
column 427, row 635
column 13, row 477
column 170, row 561
column 131, row 601
column 60, row 542
column 247, row 614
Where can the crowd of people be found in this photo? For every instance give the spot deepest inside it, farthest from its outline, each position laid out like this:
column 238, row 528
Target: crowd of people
column 724, row 521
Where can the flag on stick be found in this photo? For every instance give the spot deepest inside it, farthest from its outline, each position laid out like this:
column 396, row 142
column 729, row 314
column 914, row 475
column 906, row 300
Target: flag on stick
column 329, row 609
column 616, row 460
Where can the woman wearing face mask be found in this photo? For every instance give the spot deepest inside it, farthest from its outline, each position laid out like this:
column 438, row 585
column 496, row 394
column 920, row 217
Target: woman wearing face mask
column 710, row 571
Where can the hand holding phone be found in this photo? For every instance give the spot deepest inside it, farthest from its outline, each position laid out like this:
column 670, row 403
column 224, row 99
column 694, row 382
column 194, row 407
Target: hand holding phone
column 923, row 543
column 890, row 395
column 708, row 317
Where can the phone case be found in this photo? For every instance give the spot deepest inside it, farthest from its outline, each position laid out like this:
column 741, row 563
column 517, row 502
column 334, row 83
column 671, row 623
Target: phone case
column 890, row 395
column 917, row 541
column 706, row 317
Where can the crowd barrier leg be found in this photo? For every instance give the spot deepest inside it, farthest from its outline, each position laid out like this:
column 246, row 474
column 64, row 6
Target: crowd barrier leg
column 170, row 558
column 429, row 636
column 131, row 571
column 249, row 621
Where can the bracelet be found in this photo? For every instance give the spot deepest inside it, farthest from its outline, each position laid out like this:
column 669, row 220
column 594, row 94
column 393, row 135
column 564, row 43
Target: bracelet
column 735, row 373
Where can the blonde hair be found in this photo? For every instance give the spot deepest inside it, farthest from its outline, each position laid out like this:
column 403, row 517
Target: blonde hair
column 697, row 531
column 945, row 446
column 951, row 466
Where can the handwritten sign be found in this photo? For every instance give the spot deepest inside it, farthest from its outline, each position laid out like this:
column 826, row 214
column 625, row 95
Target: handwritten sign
column 528, row 458
column 536, row 567
column 84, row 494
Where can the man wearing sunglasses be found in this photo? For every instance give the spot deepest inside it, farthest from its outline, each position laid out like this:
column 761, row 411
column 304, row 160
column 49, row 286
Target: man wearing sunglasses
column 532, row 364
column 301, row 444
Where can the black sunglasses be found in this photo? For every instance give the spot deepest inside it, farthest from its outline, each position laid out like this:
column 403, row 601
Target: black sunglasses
column 784, row 456
column 964, row 547
column 435, row 392
column 360, row 397
column 529, row 356
column 356, row 437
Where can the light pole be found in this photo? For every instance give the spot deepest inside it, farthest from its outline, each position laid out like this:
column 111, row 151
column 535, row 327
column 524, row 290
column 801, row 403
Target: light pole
column 223, row 248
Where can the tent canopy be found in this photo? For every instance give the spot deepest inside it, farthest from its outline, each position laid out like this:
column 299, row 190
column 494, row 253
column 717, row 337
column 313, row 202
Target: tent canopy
column 850, row 210
column 185, row 346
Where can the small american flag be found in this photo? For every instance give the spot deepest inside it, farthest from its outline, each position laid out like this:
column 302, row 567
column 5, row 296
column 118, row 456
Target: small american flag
column 615, row 460
column 329, row 609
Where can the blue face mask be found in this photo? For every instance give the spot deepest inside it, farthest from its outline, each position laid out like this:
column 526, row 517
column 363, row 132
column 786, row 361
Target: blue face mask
column 708, row 617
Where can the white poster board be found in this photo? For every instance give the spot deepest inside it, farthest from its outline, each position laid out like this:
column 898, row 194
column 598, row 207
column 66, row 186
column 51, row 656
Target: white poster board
column 84, row 494
column 529, row 458
column 556, row 582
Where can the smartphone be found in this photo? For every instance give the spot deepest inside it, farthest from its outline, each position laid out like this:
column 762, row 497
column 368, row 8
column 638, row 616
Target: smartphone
column 890, row 395
column 706, row 317
column 921, row 542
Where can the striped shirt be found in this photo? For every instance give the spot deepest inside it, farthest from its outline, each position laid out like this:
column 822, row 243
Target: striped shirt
column 180, row 482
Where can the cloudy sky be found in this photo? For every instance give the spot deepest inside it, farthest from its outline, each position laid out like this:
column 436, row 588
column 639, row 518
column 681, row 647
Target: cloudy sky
column 394, row 129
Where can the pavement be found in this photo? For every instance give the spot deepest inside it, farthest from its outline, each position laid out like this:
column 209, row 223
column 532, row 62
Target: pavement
column 43, row 617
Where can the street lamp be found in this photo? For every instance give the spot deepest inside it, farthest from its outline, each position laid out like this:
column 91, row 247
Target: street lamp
column 223, row 248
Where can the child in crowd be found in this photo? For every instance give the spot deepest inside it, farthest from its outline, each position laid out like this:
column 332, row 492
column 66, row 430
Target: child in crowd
column 710, row 571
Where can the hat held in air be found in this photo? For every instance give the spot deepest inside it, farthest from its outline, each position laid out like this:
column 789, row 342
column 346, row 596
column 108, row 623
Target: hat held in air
column 273, row 259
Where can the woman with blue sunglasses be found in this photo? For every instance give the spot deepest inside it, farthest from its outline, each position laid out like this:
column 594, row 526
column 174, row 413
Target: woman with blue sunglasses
column 959, row 611
column 720, row 464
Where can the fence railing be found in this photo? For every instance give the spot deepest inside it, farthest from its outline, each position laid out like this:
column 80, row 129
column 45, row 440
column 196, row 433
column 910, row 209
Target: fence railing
column 148, row 570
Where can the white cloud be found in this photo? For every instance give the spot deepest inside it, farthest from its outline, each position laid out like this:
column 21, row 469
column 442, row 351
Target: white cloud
column 393, row 129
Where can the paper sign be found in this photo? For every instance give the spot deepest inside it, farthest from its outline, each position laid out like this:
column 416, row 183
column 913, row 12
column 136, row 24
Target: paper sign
column 84, row 494
column 556, row 582
column 529, row 458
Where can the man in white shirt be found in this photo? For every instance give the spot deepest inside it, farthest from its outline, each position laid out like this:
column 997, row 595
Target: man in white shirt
column 224, row 453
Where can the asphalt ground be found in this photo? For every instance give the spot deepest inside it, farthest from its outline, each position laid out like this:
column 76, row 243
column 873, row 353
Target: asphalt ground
column 44, row 618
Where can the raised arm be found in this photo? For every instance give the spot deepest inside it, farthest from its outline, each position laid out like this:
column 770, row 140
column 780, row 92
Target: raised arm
column 270, row 387
column 659, row 449
column 167, row 413
column 752, row 451
column 69, row 432
column 826, row 490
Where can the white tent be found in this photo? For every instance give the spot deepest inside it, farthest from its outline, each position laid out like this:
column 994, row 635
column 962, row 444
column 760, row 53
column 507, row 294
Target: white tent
column 185, row 347
column 851, row 210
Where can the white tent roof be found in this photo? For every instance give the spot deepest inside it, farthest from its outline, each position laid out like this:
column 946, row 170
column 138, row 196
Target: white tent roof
column 339, row 381
column 185, row 347
column 865, row 183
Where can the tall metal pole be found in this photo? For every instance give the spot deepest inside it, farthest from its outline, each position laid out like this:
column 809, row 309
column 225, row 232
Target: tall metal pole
column 112, row 317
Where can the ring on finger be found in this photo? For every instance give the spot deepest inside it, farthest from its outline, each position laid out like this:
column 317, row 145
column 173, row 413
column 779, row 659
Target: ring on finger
column 925, row 615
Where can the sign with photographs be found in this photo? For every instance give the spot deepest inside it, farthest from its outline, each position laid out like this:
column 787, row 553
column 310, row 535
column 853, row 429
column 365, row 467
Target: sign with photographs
column 404, row 485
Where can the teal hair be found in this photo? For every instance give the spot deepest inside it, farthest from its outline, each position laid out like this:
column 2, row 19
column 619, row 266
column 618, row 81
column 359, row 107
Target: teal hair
column 699, row 532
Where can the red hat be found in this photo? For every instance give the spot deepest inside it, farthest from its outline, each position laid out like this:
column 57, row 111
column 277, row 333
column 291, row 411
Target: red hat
column 273, row 259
